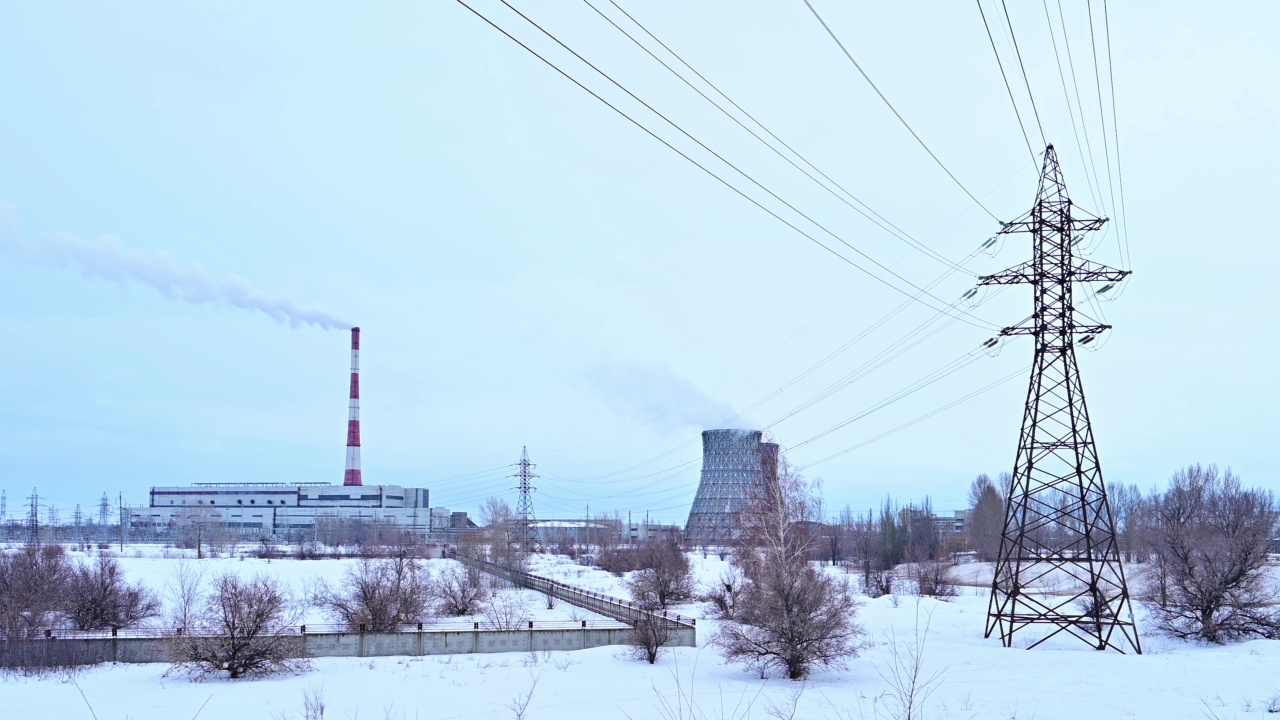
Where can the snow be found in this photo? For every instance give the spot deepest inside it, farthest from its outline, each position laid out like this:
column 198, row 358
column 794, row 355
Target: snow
column 977, row 677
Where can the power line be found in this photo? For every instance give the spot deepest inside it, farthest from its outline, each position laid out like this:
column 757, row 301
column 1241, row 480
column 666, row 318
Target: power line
column 919, row 419
column 1115, row 130
column 1027, row 81
column 705, row 169
column 1102, row 116
column 725, row 161
column 1057, row 58
column 1008, row 88
column 878, row 219
column 1084, row 124
column 896, row 113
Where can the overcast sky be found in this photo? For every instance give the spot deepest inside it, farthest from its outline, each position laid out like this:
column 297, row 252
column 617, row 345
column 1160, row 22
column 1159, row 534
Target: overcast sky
column 529, row 268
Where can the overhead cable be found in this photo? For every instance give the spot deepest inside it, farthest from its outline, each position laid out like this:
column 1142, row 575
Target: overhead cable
column 896, row 114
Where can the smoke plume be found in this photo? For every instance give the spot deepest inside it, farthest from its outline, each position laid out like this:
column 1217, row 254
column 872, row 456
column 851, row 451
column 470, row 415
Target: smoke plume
column 659, row 398
column 111, row 260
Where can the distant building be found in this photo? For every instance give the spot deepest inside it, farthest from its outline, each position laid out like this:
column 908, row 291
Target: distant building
column 281, row 509
column 951, row 523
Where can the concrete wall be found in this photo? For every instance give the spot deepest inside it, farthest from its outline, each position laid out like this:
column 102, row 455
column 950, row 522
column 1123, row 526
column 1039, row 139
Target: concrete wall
column 147, row 650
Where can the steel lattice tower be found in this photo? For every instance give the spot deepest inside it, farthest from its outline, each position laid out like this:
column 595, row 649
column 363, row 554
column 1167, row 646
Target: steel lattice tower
column 527, row 528
column 1057, row 519
column 33, row 518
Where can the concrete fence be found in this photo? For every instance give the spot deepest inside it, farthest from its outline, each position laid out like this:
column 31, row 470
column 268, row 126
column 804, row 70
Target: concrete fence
column 154, row 645
column 157, row 647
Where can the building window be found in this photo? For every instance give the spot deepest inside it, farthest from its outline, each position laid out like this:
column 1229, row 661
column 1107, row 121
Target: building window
column 239, row 502
column 253, row 502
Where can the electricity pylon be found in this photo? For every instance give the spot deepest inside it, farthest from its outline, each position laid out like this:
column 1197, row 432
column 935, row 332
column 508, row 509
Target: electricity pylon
column 527, row 528
column 1058, row 525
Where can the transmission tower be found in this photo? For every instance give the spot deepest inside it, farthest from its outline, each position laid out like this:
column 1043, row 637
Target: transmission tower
column 78, row 519
column 33, row 518
column 1057, row 519
column 104, row 514
column 527, row 528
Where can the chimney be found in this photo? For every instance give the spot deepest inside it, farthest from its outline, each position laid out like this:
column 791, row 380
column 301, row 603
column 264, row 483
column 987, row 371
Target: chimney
column 352, row 476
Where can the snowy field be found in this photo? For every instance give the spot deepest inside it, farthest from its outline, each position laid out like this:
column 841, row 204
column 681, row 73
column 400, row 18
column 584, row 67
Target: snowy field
column 976, row 678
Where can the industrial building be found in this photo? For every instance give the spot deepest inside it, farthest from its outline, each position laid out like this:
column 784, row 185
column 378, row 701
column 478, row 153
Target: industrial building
column 281, row 510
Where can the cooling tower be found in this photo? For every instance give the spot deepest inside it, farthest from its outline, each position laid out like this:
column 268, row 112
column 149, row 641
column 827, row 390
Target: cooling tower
column 734, row 464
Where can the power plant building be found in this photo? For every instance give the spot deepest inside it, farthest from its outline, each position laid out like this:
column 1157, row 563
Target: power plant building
column 280, row 509
column 735, row 466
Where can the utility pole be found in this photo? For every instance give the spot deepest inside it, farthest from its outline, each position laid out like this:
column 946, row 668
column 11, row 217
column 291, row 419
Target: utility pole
column 528, row 529
column 1057, row 518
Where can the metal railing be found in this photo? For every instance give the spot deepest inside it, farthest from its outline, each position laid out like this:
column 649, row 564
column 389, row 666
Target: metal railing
column 621, row 610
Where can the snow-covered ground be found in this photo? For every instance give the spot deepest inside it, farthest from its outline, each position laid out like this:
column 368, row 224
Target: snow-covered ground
column 976, row 677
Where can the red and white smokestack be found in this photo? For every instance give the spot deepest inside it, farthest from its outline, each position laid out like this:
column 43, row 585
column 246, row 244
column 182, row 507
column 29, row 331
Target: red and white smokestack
column 352, row 476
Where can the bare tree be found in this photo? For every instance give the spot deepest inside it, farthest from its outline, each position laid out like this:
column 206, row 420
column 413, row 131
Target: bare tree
column 1212, row 537
column 664, row 576
column 723, row 594
column 203, row 529
column 183, row 595
column 507, row 609
column 460, row 589
column 98, row 597
column 378, row 595
column 648, row 636
column 245, row 629
column 33, row 583
column 790, row 616
column 985, row 523
column 500, row 533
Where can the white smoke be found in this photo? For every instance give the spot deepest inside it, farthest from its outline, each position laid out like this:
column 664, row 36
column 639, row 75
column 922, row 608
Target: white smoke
column 656, row 396
column 111, row 260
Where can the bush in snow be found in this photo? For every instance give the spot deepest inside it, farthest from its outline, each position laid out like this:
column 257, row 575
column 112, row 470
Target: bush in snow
column 97, row 597
column 378, row 595
column 1208, row 579
column 245, row 628
column 663, row 577
column 460, row 590
column 789, row 616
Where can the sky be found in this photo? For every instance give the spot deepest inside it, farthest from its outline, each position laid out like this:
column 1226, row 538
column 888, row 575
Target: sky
column 197, row 199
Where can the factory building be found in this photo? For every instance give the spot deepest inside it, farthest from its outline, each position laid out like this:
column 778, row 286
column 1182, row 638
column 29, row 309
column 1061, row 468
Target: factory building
column 282, row 510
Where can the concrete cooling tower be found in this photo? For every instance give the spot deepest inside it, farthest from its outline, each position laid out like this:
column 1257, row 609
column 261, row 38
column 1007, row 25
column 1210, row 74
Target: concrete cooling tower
column 734, row 464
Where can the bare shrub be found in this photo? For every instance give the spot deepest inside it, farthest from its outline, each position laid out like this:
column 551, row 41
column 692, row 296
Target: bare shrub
column 723, row 595
column 378, row 595
column 33, row 582
column 97, row 597
column 664, row 576
column 878, row 583
column 933, row 579
column 245, row 629
column 1211, row 539
column 790, row 616
column 460, row 590
column 507, row 609
column 909, row 686
column 648, row 636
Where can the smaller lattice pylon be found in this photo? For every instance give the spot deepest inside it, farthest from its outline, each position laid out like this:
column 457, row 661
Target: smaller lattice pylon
column 526, row 535
column 33, row 518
